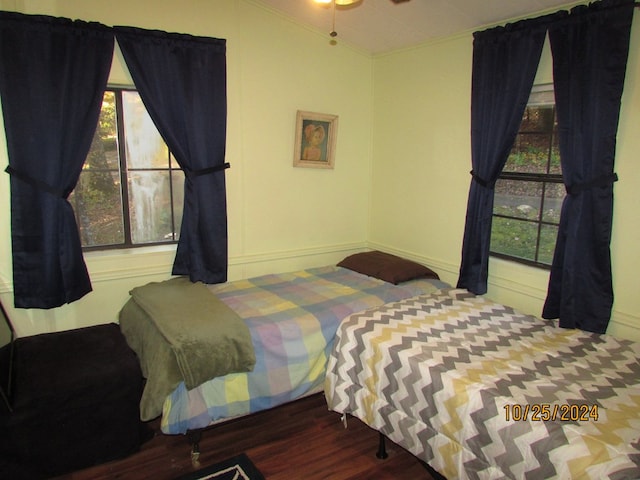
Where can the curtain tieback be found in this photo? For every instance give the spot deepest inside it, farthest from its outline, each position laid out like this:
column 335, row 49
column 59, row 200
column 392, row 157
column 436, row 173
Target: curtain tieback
column 206, row 171
column 481, row 181
column 601, row 181
column 39, row 184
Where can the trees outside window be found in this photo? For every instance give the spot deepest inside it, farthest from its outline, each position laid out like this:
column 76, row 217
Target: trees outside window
column 130, row 192
column 529, row 191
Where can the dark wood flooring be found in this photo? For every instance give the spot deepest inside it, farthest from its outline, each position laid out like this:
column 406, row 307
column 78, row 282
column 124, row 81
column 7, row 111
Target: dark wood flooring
column 301, row 440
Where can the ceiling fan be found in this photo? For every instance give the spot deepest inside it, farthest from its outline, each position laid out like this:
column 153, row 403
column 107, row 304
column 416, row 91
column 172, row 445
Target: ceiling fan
column 348, row 4
column 344, row 3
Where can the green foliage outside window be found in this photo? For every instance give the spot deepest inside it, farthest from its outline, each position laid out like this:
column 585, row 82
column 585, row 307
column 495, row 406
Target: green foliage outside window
column 529, row 193
column 130, row 189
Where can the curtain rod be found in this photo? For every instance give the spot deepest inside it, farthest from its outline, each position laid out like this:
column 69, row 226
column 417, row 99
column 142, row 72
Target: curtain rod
column 552, row 18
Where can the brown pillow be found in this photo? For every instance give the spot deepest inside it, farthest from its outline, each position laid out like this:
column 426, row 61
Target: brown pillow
column 387, row 267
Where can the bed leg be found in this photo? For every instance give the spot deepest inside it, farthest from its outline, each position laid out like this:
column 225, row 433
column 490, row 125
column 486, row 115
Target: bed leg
column 382, row 448
column 194, row 439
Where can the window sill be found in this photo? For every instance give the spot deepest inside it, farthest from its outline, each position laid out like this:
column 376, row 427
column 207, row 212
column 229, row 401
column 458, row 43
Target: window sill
column 108, row 265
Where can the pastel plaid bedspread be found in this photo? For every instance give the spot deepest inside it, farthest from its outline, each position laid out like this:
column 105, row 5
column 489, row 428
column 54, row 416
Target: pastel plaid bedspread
column 293, row 319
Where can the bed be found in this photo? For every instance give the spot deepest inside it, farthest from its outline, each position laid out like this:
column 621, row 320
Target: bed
column 479, row 391
column 290, row 320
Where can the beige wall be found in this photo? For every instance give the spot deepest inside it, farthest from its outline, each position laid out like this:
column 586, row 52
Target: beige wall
column 402, row 166
column 421, row 163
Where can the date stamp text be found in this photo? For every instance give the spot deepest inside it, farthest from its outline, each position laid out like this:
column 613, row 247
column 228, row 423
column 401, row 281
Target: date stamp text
column 544, row 412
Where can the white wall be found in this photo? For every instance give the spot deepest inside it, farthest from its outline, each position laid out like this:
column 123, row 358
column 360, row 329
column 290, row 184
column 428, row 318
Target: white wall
column 421, row 164
column 280, row 217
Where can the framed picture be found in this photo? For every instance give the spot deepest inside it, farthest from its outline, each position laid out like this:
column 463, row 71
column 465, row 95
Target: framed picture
column 315, row 140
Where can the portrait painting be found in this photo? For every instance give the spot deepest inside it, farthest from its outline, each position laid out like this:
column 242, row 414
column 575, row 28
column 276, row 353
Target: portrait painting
column 315, row 140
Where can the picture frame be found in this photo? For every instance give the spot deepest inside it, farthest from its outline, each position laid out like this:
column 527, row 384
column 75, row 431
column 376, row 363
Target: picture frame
column 315, row 143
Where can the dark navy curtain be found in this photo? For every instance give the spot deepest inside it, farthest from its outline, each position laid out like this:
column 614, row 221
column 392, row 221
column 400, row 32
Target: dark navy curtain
column 53, row 73
column 182, row 82
column 590, row 49
column 505, row 60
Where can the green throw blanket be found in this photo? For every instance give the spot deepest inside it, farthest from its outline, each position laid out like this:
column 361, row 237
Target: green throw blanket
column 182, row 332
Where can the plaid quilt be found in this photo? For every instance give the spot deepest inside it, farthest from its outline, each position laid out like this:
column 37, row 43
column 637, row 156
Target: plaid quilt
column 480, row 391
column 293, row 319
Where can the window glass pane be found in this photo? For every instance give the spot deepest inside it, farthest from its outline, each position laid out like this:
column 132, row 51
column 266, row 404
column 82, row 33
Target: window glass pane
column 553, row 198
column 530, row 154
column 531, row 172
column 98, row 206
column 150, row 206
column 177, row 179
column 144, row 145
column 516, row 238
column 174, row 163
column 139, row 158
column 97, row 197
column 539, row 118
column 103, row 153
column 517, row 199
column 548, row 236
column 542, row 95
column 555, row 166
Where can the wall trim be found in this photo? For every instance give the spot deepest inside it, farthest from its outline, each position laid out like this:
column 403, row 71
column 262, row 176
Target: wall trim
column 347, row 248
column 113, row 265
column 626, row 319
column 155, row 261
column 520, row 288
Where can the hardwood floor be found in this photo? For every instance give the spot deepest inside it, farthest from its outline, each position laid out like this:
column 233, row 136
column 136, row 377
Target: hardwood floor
column 301, row 440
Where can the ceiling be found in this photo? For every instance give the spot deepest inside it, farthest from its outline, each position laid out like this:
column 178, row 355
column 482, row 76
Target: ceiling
column 379, row 26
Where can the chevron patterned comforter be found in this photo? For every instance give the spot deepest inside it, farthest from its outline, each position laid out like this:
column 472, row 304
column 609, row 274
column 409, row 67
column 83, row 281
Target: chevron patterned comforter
column 480, row 391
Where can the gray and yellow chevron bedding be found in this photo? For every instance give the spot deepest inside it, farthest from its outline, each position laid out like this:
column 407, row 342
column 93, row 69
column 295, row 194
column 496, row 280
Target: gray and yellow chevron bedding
column 480, row 391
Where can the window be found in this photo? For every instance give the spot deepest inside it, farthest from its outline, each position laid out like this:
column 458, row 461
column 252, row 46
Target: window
column 529, row 191
column 130, row 190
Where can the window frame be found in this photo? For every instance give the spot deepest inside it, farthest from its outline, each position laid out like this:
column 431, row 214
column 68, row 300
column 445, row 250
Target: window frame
column 542, row 178
column 123, row 173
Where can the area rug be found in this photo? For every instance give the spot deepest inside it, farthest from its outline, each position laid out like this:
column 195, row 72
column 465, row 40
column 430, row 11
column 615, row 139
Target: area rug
column 235, row 468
